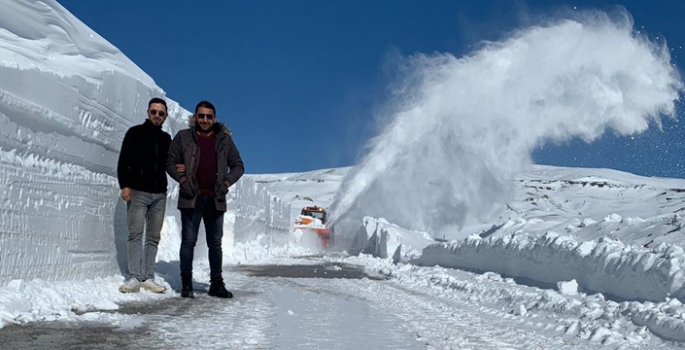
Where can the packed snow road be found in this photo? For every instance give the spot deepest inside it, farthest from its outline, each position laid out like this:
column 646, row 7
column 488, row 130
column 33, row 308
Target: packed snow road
column 314, row 304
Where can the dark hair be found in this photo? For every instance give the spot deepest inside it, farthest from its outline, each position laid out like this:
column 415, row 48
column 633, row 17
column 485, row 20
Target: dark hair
column 157, row 100
column 205, row 104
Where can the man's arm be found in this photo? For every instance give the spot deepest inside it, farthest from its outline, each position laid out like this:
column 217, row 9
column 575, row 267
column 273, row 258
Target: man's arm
column 125, row 161
column 124, row 173
column 235, row 163
column 174, row 157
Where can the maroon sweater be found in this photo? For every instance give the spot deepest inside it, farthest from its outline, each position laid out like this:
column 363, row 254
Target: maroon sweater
column 206, row 169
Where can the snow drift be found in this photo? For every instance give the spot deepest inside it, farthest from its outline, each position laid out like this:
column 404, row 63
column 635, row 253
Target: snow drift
column 606, row 265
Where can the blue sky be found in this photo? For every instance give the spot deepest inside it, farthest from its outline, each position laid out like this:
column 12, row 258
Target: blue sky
column 299, row 81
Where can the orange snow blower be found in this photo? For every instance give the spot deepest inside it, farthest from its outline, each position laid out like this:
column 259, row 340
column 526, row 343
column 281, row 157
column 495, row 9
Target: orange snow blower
column 314, row 219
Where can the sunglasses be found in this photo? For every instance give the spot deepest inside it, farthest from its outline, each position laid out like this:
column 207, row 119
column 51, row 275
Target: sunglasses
column 155, row 112
column 208, row 116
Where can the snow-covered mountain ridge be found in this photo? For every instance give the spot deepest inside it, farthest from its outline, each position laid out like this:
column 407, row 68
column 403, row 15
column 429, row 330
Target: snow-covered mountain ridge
column 579, row 202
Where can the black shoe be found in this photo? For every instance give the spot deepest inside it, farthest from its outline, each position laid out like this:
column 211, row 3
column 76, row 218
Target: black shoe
column 187, row 293
column 217, row 289
column 187, row 287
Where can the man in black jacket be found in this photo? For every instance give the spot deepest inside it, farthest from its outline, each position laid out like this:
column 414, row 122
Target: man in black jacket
column 143, row 183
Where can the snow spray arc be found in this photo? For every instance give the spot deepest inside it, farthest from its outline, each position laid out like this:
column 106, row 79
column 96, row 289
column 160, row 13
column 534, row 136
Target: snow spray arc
column 461, row 128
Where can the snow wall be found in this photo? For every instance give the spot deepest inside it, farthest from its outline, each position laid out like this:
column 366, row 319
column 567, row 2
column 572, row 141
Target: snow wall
column 260, row 215
column 67, row 97
column 604, row 265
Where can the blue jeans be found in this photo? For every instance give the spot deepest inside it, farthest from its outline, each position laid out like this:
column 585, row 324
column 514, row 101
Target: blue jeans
column 214, row 228
column 144, row 212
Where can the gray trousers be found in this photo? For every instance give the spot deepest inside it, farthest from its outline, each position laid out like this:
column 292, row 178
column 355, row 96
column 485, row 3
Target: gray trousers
column 144, row 212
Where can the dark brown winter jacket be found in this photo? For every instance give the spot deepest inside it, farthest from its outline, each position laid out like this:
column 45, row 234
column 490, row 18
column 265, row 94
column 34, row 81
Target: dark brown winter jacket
column 185, row 149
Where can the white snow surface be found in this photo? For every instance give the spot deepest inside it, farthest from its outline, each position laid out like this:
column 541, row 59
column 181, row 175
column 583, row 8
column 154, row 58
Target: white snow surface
column 570, row 259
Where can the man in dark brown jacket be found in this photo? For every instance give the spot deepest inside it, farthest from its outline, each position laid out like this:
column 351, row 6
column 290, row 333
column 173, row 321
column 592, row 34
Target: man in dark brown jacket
column 199, row 159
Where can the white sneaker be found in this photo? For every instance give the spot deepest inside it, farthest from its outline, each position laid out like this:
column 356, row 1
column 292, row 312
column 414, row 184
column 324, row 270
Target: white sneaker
column 152, row 286
column 131, row 286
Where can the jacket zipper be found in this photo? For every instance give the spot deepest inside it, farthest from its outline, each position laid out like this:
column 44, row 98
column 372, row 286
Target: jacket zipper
column 190, row 169
column 216, row 160
column 154, row 176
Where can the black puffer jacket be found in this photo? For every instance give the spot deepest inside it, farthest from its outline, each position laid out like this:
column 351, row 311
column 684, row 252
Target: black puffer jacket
column 142, row 161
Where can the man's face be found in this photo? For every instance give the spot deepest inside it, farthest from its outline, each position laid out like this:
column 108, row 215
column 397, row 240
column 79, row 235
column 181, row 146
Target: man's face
column 157, row 113
column 205, row 118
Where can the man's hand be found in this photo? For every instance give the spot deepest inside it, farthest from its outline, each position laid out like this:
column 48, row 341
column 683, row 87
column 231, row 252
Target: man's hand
column 126, row 194
column 181, row 168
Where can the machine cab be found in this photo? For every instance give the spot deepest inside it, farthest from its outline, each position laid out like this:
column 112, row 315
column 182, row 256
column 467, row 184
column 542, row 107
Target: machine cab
column 315, row 212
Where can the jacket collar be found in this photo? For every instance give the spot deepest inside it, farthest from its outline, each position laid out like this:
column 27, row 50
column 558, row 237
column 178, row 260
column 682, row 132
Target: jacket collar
column 218, row 128
column 149, row 124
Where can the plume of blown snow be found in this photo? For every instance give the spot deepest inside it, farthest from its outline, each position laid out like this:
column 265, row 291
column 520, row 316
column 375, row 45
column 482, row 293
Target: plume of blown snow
column 461, row 128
